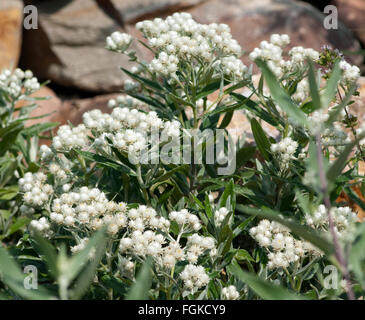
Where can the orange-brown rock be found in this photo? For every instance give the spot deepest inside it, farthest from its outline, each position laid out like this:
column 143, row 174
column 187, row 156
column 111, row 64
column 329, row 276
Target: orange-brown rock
column 11, row 25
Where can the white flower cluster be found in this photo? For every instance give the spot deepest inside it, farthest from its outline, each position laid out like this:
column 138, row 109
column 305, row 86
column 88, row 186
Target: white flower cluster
column 282, row 246
column 36, row 191
column 272, row 53
column 80, row 246
column 130, row 85
column 118, row 41
column 126, row 128
column 194, row 277
column 127, row 267
column 316, row 121
column 179, row 38
column 196, row 245
column 300, row 54
column 232, row 67
column 45, row 152
column 285, row 150
column 185, row 219
column 343, row 218
column 220, row 215
column 143, row 243
column 350, row 73
column 145, row 238
column 26, row 210
column 68, row 138
column 230, row 293
column 302, row 91
column 41, row 226
column 126, row 101
column 14, row 82
column 284, row 249
column 165, row 64
column 89, row 208
column 60, row 174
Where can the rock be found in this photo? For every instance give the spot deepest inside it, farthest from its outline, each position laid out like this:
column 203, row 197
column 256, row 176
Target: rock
column 72, row 110
column 69, row 46
column 352, row 13
column 253, row 21
column 135, row 10
column 11, row 25
column 49, row 107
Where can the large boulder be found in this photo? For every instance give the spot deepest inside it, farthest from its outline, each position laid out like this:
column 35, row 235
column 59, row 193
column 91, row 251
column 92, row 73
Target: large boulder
column 135, row 10
column 11, row 26
column 252, row 21
column 69, row 46
column 352, row 13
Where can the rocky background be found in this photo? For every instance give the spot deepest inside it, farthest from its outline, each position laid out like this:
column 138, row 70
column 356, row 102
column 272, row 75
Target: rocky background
column 68, row 46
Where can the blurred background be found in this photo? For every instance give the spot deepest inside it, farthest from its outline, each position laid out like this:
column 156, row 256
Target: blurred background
column 68, row 45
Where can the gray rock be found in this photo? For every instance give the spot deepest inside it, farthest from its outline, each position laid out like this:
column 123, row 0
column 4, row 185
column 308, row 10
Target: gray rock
column 134, row 10
column 69, row 46
column 252, row 21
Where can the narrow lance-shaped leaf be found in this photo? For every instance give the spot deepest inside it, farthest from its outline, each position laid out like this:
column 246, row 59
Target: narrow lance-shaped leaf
column 280, row 96
column 139, row 290
column 262, row 142
column 331, row 87
column 262, row 288
column 313, row 87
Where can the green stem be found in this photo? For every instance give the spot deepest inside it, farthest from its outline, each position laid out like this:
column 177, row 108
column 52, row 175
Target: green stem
column 141, row 183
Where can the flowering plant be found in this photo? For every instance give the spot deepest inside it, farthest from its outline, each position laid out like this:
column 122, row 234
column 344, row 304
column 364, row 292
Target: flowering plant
column 18, row 144
column 178, row 227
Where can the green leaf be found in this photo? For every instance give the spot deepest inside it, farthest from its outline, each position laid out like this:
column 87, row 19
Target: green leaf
column 105, row 162
column 357, row 255
column 335, row 111
column 90, row 256
column 339, row 164
column 210, row 88
column 280, row 96
column 48, row 252
column 252, row 106
column 313, row 87
column 19, row 223
column 8, row 193
column 242, row 226
column 9, row 136
column 38, row 128
column 95, row 248
column 140, row 288
column 149, row 83
column 262, row 142
column 226, row 120
column 244, row 154
column 243, row 255
column 331, row 87
column 262, row 288
column 12, row 276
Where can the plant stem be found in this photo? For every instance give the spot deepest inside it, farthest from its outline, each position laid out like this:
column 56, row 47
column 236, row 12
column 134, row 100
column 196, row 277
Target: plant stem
column 338, row 251
column 141, row 183
column 352, row 128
